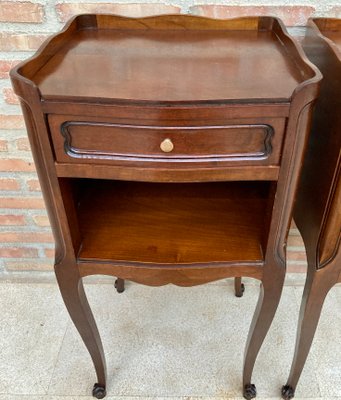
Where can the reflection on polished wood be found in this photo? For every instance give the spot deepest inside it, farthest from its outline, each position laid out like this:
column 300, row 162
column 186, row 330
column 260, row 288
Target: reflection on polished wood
column 201, row 61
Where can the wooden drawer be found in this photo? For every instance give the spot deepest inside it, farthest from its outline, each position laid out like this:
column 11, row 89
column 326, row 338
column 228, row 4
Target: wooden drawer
column 90, row 141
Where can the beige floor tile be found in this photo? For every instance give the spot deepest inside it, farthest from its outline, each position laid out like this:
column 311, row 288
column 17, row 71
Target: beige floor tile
column 327, row 346
column 324, row 358
column 161, row 343
column 173, row 341
column 32, row 325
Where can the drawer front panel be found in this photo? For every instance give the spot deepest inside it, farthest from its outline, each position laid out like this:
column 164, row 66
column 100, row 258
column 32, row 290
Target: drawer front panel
column 105, row 142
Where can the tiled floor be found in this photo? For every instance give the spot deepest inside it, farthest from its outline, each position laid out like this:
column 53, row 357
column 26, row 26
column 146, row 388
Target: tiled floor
column 167, row 342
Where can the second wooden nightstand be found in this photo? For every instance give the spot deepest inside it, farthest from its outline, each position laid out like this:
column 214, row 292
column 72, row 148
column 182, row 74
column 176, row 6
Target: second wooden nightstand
column 318, row 206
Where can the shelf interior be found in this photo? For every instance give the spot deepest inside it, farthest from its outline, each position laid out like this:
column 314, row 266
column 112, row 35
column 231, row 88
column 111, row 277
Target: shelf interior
column 169, row 223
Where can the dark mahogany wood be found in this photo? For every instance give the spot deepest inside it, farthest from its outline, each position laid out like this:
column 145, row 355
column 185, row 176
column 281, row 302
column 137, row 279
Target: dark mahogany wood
column 120, row 285
column 318, row 206
column 104, row 142
column 173, row 223
column 169, row 150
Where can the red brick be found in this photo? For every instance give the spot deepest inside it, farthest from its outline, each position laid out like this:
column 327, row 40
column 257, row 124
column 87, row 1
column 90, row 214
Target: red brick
column 3, row 145
column 41, row 220
column 6, row 66
column 295, row 241
column 16, row 165
column 22, row 202
column 12, row 220
column 291, row 15
column 297, row 268
column 9, row 184
column 23, row 11
column 12, row 122
column 23, row 144
column 26, row 237
column 20, row 41
column 294, row 231
column 65, row 11
column 9, row 96
column 33, row 185
column 18, row 252
column 49, row 253
column 28, row 266
column 296, row 256
column 293, row 225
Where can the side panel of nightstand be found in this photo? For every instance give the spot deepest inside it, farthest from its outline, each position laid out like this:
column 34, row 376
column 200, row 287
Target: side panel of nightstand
column 318, row 185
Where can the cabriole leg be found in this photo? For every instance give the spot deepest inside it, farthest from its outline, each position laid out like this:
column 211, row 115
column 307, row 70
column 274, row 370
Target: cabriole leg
column 270, row 294
column 316, row 289
column 72, row 290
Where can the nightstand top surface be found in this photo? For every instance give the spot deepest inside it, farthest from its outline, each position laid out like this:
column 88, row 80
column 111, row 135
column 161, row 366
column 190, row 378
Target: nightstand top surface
column 151, row 63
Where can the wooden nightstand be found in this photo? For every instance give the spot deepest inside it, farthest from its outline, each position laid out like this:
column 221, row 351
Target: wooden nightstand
column 168, row 150
column 318, row 207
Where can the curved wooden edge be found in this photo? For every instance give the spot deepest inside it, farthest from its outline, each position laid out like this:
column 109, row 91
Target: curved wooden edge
column 25, row 70
column 288, row 181
column 173, row 21
column 311, row 73
column 318, row 25
column 160, row 275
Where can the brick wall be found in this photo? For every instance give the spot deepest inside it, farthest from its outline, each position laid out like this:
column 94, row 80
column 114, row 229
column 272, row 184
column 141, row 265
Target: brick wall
column 26, row 243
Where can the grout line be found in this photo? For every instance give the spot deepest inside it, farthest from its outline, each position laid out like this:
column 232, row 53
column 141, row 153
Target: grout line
column 57, row 357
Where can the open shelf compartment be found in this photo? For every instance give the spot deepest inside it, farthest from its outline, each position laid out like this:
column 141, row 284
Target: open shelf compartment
column 170, row 223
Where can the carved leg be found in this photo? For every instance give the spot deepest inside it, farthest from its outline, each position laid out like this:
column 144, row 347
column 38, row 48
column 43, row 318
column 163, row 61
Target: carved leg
column 72, row 290
column 119, row 285
column 316, row 289
column 270, row 293
column 239, row 287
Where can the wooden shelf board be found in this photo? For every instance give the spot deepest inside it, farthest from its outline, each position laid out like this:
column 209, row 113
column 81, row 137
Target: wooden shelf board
column 172, row 223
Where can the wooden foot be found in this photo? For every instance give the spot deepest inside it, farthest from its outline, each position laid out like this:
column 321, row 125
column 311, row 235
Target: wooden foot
column 72, row 290
column 99, row 391
column 270, row 293
column 250, row 391
column 119, row 285
column 239, row 287
column 287, row 392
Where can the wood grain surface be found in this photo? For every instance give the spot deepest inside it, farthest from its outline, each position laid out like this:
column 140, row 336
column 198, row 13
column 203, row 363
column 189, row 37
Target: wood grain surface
column 172, row 223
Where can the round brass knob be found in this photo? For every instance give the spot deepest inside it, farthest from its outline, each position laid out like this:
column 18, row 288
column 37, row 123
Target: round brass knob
column 167, row 146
